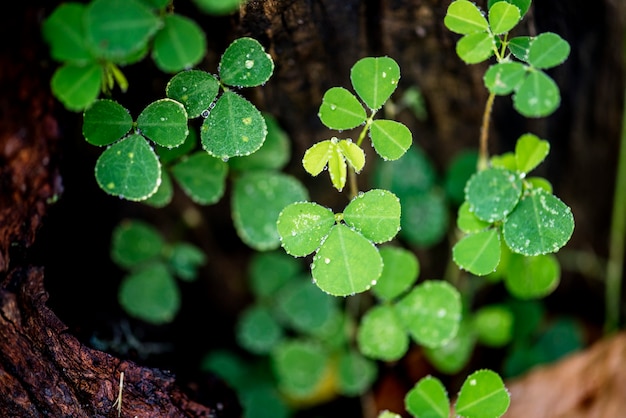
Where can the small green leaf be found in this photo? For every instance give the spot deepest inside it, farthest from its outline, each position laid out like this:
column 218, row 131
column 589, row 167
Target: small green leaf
column 390, row 139
column 316, row 158
column 530, row 151
column 301, row 306
column 219, row 7
column 353, row 154
column 478, row 253
column 532, row 277
column 346, row 263
column 257, row 200
column 540, row 224
column 381, row 335
column 64, row 31
column 522, row 5
column 340, row 109
column 337, row 167
column 257, row 330
column 537, row 96
column 503, row 17
column 375, row 214
column 356, row 373
column 165, row 122
column 547, row 50
column 428, row 399
column 504, row 77
column 195, row 89
column 202, row 177
column 180, row 44
column 506, row 161
column 467, row 222
column 134, row 242
column 424, row 219
column 105, row 121
column 400, row 271
column 539, row 183
column 493, row 325
column 374, row 79
column 431, row 312
column 245, row 64
column 269, row 271
column 455, row 354
column 233, row 128
column 77, row 86
column 129, row 169
column 150, row 294
column 475, row 47
column 184, row 259
column 464, row 17
column 299, row 367
column 493, row 193
column 482, row 395
column 302, row 226
column 520, row 46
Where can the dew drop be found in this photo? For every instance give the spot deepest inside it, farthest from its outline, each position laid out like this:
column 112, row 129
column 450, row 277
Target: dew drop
column 327, row 260
column 333, row 107
column 472, row 382
column 249, row 64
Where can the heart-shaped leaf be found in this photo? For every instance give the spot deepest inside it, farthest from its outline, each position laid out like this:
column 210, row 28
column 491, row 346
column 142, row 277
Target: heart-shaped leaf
column 302, row 226
column 390, row 139
column 503, row 17
column 374, row 79
column 478, row 253
column 530, row 151
column 464, row 17
column 537, row 96
column 245, row 64
column 375, row 214
column 493, row 193
column 105, row 122
column 165, row 122
column 381, row 335
column 195, row 89
column 340, row 109
column 475, row 47
column 482, row 395
column 202, row 177
column 428, row 398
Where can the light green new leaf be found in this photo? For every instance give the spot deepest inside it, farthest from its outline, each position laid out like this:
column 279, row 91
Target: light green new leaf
column 234, row 127
column 257, row 200
column 482, row 395
column 179, row 45
column 503, row 17
column 506, row 160
column 245, row 64
column 493, row 193
column 63, row 30
column 388, row 414
column 302, row 226
column 346, row 263
column 548, row 50
column 105, row 121
column 428, row 398
column 390, row 139
column 464, row 17
column 374, row 79
column 540, row 224
column 316, row 157
column 195, row 89
column 340, row 109
column 165, row 122
column 530, row 151
column 381, row 336
column 400, row 271
column 77, row 86
column 504, row 77
column 522, row 5
column 475, row 47
column 129, row 169
column 467, row 222
column 532, row 277
column 537, row 96
column 337, row 168
column 478, row 253
column 375, row 214
column 431, row 312
column 354, row 155
column 202, row 177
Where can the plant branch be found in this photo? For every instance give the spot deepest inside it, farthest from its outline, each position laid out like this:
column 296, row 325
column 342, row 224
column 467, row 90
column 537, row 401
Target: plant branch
column 483, row 154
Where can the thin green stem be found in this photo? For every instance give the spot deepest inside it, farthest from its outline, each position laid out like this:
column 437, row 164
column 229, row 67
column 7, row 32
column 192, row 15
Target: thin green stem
column 354, row 188
column 483, row 153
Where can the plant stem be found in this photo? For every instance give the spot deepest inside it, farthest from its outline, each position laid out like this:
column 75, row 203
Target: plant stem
column 483, row 153
column 615, row 263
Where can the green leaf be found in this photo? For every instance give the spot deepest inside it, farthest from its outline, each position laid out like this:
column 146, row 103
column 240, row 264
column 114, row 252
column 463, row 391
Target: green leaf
column 195, row 89
column 353, row 154
column 302, row 307
column 467, row 222
column 504, row 77
column 520, row 46
column 390, row 139
column 537, row 96
column 503, row 17
column 316, row 157
column 532, row 277
column 455, row 354
column 464, row 17
column 201, row 177
column 302, row 226
column 165, row 122
column 400, row 271
column 493, row 325
column 118, row 28
column 428, row 399
column 540, row 224
column 547, row 50
column 150, row 294
column 424, row 219
column 184, row 259
column 77, row 86
column 233, row 128
column 375, row 214
column 478, row 253
column 105, row 121
column 522, row 5
column 356, row 373
column 539, row 183
column 381, row 335
column 129, row 169
column 134, row 242
column 346, row 263
column 245, row 64
column 493, row 193
column 340, row 109
column 257, row 330
column 257, row 200
column 63, row 30
column 506, row 160
column 530, row 151
column 374, row 79
column 179, row 45
column 269, row 271
column 219, row 7
column 431, row 312
column 299, row 367
column 482, row 395
column 475, row 47
column 337, row 167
